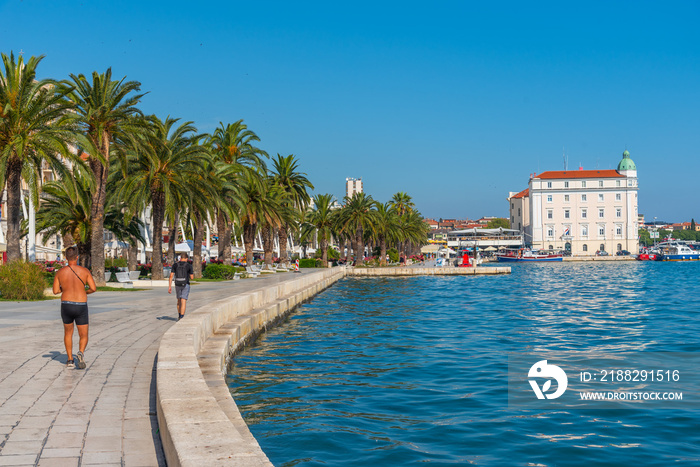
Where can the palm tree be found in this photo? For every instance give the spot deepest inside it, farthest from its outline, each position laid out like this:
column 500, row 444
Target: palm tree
column 387, row 227
column 104, row 109
column 403, row 204
column 33, row 130
column 294, row 184
column 320, row 221
column 261, row 202
column 356, row 219
column 165, row 169
column 233, row 145
column 65, row 210
column 414, row 232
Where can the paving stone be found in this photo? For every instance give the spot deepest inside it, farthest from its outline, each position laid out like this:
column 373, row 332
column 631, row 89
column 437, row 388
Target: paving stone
column 110, row 406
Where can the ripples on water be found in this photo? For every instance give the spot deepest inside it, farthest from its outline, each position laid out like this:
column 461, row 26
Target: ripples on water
column 401, row 371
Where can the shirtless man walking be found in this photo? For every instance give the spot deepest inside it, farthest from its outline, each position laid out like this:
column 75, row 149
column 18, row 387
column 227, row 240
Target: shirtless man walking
column 70, row 282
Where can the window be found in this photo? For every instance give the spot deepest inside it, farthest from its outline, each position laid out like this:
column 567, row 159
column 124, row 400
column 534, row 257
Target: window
column 583, row 197
column 618, row 197
column 551, row 247
column 617, row 182
column 512, row 205
column 585, row 247
column 600, row 183
column 584, row 231
column 601, row 197
column 550, row 214
column 584, row 213
column 549, row 184
column 619, row 247
column 512, row 219
column 549, row 198
column 566, row 184
column 583, row 184
column 601, row 231
column 618, row 230
column 550, row 232
column 601, row 212
column 618, row 212
column 518, row 211
column 602, row 247
column 566, row 198
column 566, row 214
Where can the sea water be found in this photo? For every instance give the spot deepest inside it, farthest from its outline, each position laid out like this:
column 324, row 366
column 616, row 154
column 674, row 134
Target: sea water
column 406, row 371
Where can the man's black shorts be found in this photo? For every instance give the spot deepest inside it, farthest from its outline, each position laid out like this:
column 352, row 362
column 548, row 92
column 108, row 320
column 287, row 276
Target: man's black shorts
column 74, row 311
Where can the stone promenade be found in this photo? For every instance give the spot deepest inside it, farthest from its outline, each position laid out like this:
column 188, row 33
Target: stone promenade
column 53, row 415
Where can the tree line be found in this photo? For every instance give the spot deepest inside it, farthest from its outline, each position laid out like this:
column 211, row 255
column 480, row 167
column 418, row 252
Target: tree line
column 112, row 161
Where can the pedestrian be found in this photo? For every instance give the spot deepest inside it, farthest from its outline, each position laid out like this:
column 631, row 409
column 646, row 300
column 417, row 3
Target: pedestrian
column 71, row 282
column 182, row 272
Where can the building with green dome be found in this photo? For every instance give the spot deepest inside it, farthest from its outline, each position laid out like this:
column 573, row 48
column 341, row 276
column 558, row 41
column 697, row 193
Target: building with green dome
column 580, row 211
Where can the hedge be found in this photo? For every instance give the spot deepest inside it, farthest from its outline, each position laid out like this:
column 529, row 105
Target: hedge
column 22, row 281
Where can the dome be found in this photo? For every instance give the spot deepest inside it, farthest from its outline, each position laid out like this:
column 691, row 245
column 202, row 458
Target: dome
column 626, row 163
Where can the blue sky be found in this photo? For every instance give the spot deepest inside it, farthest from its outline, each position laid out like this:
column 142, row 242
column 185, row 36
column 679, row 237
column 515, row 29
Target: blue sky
column 455, row 103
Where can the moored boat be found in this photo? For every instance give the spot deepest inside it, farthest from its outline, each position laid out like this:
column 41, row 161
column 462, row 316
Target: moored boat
column 677, row 251
column 647, row 255
column 526, row 255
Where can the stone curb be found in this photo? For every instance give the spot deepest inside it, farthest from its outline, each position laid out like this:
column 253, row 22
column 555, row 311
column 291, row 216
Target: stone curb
column 409, row 271
column 198, row 420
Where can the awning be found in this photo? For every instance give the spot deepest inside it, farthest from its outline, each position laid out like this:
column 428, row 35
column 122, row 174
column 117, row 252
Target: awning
column 184, row 247
column 430, row 249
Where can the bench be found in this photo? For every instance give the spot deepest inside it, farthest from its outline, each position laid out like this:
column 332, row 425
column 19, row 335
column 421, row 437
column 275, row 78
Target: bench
column 251, row 271
column 123, row 277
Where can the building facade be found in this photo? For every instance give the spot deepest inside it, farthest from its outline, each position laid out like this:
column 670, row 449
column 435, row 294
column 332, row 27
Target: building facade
column 580, row 211
column 352, row 186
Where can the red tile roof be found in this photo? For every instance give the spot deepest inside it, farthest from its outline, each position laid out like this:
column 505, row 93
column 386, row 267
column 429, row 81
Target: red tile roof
column 523, row 194
column 562, row 174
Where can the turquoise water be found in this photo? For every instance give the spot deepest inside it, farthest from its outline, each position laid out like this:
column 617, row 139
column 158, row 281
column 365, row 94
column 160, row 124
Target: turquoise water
column 403, row 371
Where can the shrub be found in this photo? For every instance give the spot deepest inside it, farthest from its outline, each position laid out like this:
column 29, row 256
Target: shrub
column 309, row 263
column 115, row 263
column 393, row 255
column 219, row 271
column 22, row 281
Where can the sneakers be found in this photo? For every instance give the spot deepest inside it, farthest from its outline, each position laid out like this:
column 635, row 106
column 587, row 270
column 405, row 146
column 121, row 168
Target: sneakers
column 80, row 364
column 179, row 317
column 69, row 362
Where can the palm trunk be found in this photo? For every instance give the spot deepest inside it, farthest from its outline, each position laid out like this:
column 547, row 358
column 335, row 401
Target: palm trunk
column 97, row 215
column 324, row 252
column 268, row 241
column 248, row 241
column 14, row 176
column 282, row 235
column 158, row 217
column 172, row 239
column 197, row 248
column 360, row 255
column 382, row 251
column 84, row 253
column 132, row 255
column 223, row 228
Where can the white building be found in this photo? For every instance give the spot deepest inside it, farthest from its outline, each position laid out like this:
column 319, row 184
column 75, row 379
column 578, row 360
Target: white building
column 581, row 211
column 352, row 186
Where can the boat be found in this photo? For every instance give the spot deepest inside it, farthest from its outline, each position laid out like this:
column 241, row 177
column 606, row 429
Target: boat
column 678, row 251
column 647, row 255
column 525, row 255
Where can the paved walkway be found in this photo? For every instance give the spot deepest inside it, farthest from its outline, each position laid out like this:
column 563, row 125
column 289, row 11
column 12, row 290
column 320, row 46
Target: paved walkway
column 53, row 415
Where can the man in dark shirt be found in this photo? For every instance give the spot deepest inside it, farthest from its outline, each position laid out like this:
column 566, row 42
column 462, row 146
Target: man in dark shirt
column 181, row 272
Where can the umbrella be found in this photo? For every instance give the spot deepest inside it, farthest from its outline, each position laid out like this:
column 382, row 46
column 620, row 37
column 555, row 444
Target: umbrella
column 490, row 249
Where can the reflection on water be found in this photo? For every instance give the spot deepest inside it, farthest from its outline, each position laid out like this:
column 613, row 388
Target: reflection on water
column 399, row 371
